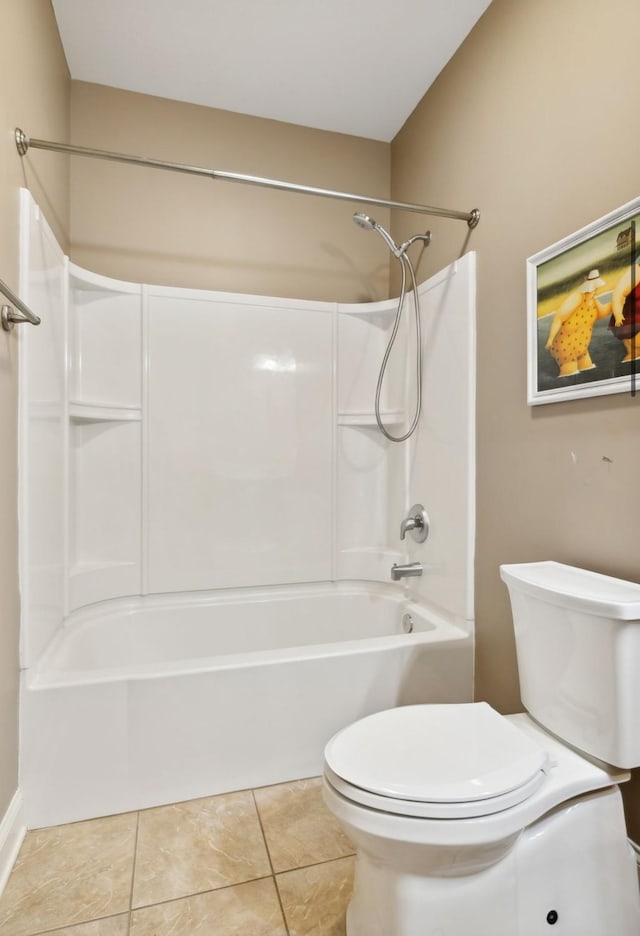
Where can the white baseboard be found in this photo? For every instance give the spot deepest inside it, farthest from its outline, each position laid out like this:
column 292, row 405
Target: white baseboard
column 12, row 832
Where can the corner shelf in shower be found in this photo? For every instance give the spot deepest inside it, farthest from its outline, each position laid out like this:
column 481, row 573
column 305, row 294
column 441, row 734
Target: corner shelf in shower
column 374, row 312
column 100, row 412
column 368, row 420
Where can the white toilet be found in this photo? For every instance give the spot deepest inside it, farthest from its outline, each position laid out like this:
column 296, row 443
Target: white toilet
column 470, row 823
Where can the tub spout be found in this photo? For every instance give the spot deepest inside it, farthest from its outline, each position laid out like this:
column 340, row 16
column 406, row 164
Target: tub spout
column 405, row 571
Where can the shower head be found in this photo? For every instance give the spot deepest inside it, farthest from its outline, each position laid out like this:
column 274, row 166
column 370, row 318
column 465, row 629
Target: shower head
column 364, row 221
column 369, row 224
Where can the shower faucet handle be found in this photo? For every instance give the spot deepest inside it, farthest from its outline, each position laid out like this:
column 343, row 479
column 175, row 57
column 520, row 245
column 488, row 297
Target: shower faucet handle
column 416, row 523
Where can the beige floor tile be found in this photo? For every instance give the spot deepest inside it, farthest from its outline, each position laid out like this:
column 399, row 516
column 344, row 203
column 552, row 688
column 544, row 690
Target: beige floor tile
column 112, row 926
column 244, row 910
column 298, row 827
column 198, row 846
column 70, row 874
column 315, row 899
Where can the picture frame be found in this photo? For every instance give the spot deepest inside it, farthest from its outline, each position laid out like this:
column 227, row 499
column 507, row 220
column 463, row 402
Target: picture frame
column 583, row 311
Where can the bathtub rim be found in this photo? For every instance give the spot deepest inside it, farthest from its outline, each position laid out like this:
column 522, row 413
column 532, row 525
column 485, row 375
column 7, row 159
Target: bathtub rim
column 433, row 627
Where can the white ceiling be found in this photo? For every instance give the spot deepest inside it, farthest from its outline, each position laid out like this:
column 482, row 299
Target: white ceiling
column 351, row 66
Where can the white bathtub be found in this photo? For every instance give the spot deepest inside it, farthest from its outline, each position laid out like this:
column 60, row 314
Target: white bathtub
column 160, row 699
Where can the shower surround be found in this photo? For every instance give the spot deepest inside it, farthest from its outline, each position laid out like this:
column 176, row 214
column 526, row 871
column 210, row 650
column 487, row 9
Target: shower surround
column 209, row 515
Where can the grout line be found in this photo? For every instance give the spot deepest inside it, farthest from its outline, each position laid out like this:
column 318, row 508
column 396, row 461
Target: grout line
column 66, row 926
column 210, row 890
column 264, row 837
column 273, row 874
column 266, row 877
column 133, row 872
column 315, row 864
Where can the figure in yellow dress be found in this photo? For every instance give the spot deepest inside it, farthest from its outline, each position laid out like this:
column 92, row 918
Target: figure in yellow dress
column 572, row 327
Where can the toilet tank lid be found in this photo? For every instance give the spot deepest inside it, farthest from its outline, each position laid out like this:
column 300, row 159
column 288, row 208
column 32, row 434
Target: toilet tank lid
column 579, row 589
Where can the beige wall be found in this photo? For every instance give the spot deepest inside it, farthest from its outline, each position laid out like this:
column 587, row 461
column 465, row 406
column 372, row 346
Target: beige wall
column 533, row 122
column 167, row 228
column 34, row 96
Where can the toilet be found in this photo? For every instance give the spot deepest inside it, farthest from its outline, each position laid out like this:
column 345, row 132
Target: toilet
column 470, row 823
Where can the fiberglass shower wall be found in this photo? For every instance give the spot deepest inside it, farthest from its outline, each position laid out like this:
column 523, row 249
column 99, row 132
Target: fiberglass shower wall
column 42, row 435
column 198, row 440
column 239, row 424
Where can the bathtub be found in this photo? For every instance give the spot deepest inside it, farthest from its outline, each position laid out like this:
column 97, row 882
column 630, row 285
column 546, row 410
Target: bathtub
column 144, row 701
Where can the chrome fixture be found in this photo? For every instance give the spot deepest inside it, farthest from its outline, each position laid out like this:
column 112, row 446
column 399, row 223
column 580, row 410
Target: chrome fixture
column 407, row 623
column 369, row 224
column 400, row 253
column 416, row 523
column 24, row 143
column 407, row 570
column 9, row 316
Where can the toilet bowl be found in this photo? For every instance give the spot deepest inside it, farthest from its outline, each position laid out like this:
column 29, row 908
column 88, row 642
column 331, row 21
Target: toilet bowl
column 470, row 823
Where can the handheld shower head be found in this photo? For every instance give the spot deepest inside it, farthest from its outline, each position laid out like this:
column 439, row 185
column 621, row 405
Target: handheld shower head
column 368, row 224
column 364, row 221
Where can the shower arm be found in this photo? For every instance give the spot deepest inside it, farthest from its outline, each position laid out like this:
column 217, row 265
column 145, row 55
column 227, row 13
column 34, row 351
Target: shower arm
column 425, row 238
column 24, row 143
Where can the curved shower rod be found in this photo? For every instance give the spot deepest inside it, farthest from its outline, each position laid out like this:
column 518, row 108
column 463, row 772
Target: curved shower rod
column 24, row 143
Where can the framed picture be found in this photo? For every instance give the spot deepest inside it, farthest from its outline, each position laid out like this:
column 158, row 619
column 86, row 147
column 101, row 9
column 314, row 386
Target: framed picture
column 583, row 311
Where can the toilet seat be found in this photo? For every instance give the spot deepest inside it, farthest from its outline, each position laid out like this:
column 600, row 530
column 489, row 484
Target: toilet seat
column 436, row 761
column 426, row 810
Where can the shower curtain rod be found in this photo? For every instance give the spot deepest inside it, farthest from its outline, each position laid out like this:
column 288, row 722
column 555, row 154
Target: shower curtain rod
column 24, row 143
column 9, row 316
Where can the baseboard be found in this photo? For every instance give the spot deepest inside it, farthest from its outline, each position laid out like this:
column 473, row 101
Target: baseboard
column 12, row 831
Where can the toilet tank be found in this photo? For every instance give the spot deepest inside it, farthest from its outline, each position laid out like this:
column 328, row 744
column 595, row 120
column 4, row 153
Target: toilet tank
column 578, row 645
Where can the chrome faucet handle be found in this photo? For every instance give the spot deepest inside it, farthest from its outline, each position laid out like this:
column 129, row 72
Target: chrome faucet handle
column 416, row 523
column 408, row 524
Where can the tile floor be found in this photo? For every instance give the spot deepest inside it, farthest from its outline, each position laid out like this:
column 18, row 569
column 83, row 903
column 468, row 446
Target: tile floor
column 265, row 862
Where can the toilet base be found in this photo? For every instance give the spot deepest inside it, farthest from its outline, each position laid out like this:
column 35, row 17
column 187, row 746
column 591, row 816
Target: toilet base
column 573, row 866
